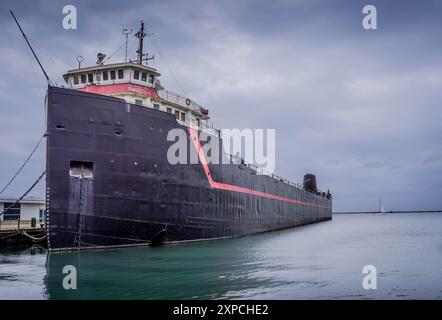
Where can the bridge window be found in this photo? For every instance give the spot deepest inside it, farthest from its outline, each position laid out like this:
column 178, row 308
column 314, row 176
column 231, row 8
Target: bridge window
column 136, row 74
column 112, row 74
column 198, row 122
column 83, row 78
column 120, row 74
column 12, row 213
column 169, row 110
column 183, row 116
column 90, row 77
column 156, row 106
column 139, row 102
column 75, row 79
column 151, row 78
column 144, row 76
column 177, row 114
column 105, row 76
column 98, row 76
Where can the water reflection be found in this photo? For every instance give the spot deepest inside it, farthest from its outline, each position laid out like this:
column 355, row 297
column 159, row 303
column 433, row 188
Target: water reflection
column 197, row 270
column 318, row 261
column 22, row 270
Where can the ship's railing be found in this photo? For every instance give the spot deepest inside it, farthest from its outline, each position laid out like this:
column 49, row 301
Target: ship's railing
column 209, row 128
column 178, row 99
column 261, row 171
column 238, row 160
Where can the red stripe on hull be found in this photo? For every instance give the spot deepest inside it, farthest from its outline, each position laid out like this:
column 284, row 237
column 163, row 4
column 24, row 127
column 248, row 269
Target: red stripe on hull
column 230, row 187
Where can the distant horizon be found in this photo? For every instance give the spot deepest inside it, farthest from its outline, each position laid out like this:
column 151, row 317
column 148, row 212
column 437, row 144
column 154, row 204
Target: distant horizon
column 389, row 211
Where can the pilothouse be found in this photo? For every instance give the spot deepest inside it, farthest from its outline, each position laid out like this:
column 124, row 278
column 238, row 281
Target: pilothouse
column 136, row 82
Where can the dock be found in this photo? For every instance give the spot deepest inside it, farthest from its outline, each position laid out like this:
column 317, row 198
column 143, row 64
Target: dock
column 20, row 232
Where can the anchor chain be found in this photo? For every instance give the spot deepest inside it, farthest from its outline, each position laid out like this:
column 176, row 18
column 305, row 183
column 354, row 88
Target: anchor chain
column 80, row 211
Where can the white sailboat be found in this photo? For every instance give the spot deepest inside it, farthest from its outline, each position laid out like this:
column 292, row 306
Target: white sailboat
column 381, row 207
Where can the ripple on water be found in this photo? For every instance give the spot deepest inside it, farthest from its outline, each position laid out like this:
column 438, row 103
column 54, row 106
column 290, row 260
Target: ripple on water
column 319, row 261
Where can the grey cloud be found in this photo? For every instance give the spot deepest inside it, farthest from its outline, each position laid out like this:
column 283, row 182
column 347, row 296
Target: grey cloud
column 360, row 109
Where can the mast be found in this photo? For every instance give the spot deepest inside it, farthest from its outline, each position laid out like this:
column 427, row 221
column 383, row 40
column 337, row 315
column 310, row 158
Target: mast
column 140, row 35
column 141, row 55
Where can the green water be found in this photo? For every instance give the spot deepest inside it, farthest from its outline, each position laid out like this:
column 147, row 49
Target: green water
column 318, row 261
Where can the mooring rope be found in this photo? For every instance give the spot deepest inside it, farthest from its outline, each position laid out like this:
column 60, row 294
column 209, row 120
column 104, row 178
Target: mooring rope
column 22, row 232
column 23, row 165
column 25, row 194
column 9, row 236
column 32, row 237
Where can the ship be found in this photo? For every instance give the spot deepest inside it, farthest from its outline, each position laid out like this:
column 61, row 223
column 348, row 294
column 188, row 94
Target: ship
column 109, row 182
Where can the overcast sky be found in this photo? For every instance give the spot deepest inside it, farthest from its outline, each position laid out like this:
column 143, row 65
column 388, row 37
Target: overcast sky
column 360, row 109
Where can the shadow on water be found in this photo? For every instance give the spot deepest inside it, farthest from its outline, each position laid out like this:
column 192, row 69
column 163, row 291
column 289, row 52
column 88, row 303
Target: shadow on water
column 27, row 248
column 193, row 271
column 320, row 261
column 22, row 269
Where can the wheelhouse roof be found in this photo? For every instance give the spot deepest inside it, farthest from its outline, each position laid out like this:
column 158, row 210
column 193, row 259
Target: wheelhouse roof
column 113, row 66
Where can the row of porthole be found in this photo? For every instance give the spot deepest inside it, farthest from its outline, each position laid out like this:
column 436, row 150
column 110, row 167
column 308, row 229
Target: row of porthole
column 188, row 167
column 117, row 132
column 133, row 193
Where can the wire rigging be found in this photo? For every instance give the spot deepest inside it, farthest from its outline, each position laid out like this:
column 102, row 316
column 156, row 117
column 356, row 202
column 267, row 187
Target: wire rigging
column 48, row 53
column 24, row 194
column 23, row 165
column 115, row 52
column 155, row 45
column 30, row 47
column 131, row 46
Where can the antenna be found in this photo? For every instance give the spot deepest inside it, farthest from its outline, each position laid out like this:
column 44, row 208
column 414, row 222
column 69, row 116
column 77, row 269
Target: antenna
column 127, row 32
column 30, row 47
column 140, row 35
column 79, row 60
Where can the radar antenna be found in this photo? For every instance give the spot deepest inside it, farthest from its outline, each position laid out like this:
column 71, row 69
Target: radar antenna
column 100, row 58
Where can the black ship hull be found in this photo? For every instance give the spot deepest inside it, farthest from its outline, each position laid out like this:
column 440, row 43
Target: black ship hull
column 131, row 195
